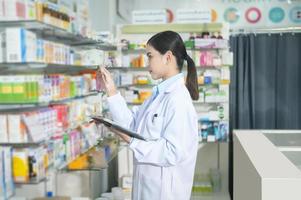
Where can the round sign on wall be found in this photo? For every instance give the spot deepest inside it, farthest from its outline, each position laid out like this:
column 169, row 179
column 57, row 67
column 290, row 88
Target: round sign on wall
column 295, row 14
column 276, row 14
column 231, row 15
column 213, row 15
column 253, row 15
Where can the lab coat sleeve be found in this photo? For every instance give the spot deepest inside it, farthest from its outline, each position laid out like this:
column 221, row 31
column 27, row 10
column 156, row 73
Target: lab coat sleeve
column 120, row 111
column 173, row 146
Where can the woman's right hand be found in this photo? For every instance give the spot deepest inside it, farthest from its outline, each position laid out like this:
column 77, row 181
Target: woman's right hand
column 104, row 77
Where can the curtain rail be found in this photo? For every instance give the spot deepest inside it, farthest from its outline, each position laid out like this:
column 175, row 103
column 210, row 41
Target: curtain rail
column 266, row 30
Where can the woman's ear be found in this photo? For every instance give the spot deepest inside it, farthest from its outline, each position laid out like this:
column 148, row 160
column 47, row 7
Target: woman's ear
column 168, row 57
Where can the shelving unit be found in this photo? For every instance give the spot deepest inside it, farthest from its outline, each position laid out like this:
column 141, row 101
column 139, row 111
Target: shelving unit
column 55, row 34
column 40, row 67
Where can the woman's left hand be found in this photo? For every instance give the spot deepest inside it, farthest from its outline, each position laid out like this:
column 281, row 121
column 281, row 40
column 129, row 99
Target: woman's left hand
column 125, row 137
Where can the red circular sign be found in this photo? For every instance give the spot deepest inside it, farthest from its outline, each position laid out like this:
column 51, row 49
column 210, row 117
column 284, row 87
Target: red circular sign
column 251, row 11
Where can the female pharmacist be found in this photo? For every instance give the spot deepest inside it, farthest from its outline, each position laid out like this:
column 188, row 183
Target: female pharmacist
column 164, row 165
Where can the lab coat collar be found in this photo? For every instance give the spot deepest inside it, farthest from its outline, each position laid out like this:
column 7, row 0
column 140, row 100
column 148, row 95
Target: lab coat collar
column 161, row 87
column 173, row 86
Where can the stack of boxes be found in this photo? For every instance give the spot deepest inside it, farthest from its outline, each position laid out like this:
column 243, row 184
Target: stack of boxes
column 6, row 179
column 23, row 46
column 44, row 88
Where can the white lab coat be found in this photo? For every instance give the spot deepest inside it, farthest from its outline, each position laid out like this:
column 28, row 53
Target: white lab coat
column 163, row 167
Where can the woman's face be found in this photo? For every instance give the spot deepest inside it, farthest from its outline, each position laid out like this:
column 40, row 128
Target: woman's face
column 156, row 63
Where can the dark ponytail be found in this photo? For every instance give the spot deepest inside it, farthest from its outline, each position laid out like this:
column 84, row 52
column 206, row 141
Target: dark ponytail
column 172, row 41
column 192, row 79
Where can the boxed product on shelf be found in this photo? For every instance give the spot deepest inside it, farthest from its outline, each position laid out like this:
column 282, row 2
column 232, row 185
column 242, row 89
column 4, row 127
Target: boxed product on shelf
column 59, row 151
column 89, row 135
column 126, row 78
column 209, row 77
column 6, row 178
column 3, row 129
column 37, row 165
column 62, row 120
column 29, row 164
column 16, row 129
column 210, row 43
column 131, row 96
column 227, row 58
column 91, row 57
column 208, row 58
column 212, row 131
column 39, row 88
column 202, row 184
column 93, row 105
column 20, row 45
column 21, row 165
column 143, row 95
column 82, row 17
column 51, row 13
column 126, row 61
column 216, row 95
column 141, row 79
column 75, row 141
column 225, row 75
column 30, row 9
column 14, row 9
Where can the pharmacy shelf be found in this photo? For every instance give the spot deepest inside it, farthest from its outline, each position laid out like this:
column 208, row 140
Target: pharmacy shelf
column 23, row 145
column 211, row 85
column 143, row 51
column 137, row 86
column 105, row 46
column 11, row 107
column 101, row 144
column 146, row 69
column 31, row 182
column 44, row 141
column 128, row 68
column 54, row 33
column 184, row 28
column 133, row 51
column 64, row 165
column 40, row 67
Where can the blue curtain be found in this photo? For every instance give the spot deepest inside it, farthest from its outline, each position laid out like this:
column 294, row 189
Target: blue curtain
column 265, row 90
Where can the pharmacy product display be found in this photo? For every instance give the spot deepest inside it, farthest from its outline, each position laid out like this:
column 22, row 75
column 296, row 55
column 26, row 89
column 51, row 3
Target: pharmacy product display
column 44, row 88
column 60, row 15
column 47, row 93
column 23, row 46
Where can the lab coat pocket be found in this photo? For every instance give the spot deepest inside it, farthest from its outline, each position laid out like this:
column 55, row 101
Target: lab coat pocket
column 154, row 126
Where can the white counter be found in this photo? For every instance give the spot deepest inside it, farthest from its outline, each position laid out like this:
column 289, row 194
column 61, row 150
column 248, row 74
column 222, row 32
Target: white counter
column 261, row 170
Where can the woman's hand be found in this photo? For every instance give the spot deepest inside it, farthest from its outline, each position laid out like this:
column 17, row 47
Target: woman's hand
column 105, row 78
column 125, row 137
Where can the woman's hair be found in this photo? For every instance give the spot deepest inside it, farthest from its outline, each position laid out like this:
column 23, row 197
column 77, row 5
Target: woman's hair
column 172, row 41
